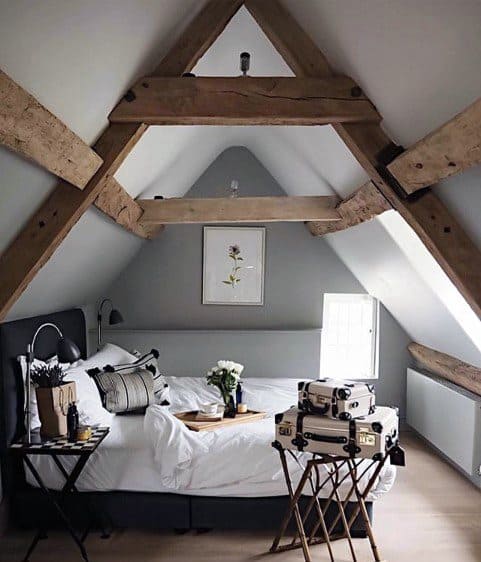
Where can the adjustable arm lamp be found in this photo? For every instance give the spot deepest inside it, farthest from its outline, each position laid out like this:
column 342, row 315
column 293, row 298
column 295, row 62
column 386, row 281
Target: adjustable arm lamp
column 67, row 352
column 114, row 318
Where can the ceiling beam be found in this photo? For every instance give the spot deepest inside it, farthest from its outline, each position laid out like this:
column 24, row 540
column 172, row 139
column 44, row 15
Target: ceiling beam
column 198, row 37
column 450, row 149
column 244, row 101
column 49, row 225
column 441, row 233
column 448, row 367
column 238, row 210
column 115, row 202
column 46, row 229
column 295, row 46
column 363, row 205
column 28, row 128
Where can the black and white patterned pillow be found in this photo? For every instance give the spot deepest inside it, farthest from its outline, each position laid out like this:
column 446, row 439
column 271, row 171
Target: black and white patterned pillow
column 148, row 362
column 125, row 393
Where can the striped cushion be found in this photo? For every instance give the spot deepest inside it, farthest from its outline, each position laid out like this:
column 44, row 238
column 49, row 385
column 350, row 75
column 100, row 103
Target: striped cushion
column 125, row 392
column 149, row 362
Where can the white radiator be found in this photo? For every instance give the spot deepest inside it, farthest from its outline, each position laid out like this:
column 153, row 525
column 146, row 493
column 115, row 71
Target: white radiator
column 449, row 417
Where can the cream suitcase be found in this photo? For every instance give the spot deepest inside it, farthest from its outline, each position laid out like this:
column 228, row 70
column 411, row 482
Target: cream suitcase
column 337, row 399
column 369, row 437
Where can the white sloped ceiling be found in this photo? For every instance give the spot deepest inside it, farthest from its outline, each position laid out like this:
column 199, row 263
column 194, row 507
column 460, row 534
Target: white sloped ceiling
column 418, row 61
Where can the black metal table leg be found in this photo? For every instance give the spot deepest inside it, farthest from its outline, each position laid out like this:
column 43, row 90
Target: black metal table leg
column 68, row 485
column 92, row 516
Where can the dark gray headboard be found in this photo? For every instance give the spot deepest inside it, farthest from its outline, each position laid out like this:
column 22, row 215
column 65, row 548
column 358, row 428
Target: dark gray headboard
column 14, row 338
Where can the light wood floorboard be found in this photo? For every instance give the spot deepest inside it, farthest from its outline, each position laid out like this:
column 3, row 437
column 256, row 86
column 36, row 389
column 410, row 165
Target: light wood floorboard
column 433, row 514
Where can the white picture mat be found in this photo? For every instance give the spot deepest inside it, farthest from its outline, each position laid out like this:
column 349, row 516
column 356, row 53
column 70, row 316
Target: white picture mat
column 218, row 265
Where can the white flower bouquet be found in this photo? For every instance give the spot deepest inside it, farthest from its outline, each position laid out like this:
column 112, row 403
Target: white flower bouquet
column 225, row 376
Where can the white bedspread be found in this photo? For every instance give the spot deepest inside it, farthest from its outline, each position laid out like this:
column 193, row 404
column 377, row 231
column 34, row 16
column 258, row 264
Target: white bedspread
column 158, row 453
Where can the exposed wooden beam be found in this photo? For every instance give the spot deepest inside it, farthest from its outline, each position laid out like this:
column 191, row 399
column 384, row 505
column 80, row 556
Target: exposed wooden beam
column 363, row 205
column 452, row 148
column 46, row 229
column 238, row 210
column 244, row 101
column 444, row 237
column 448, row 367
column 198, row 36
column 28, row 128
column 289, row 39
column 115, row 202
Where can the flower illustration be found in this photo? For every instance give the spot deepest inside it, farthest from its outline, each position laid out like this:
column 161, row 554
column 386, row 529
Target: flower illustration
column 234, row 253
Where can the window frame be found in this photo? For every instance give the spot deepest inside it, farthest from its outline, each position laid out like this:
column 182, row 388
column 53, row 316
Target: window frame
column 374, row 362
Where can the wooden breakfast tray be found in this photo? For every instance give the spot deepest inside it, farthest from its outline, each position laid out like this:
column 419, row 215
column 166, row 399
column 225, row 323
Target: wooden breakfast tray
column 189, row 419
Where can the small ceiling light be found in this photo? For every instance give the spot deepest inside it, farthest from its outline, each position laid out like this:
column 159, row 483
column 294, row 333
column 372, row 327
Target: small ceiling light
column 245, row 63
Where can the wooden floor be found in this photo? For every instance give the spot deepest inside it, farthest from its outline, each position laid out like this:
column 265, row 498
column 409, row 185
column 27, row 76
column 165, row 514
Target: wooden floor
column 432, row 515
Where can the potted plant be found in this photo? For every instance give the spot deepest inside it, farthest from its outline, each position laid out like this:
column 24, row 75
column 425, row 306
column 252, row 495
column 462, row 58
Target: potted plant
column 53, row 398
column 225, row 376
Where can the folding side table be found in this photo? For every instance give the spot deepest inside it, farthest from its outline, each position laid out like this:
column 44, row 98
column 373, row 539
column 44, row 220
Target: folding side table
column 338, row 469
column 56, row 448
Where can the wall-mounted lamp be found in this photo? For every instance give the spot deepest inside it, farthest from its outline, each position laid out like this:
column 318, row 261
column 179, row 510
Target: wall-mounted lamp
column 114, row 318
column 67, row 352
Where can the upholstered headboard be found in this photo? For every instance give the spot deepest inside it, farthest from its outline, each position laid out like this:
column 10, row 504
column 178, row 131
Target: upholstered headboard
column 14, row 338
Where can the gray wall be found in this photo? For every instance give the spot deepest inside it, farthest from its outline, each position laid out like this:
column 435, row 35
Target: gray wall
column 161, row 287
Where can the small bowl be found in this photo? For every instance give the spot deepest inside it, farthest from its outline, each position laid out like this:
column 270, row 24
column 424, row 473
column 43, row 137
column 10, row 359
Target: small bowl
column 210, row 408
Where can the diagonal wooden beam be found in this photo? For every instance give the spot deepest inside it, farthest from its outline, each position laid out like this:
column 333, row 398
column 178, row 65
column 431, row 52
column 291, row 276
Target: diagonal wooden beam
column 238, row 210
column 116, row 203
column 441, row 233
column 198, row 37
column 450, row 149
column 289, row 39
column 30, row 129
column 244, row 101
column 363, row 205
column 448, row 367
column 44, row 232
column 46, row 229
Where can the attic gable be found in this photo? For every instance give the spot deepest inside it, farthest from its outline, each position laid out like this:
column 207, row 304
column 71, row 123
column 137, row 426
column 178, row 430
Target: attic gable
column 272, row 165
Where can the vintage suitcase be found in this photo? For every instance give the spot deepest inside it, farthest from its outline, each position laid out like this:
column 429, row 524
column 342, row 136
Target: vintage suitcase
column 337, row 399
column 369, row 437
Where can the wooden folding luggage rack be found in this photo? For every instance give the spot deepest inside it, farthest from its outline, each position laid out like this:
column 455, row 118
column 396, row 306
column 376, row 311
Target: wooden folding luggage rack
column 312, row 476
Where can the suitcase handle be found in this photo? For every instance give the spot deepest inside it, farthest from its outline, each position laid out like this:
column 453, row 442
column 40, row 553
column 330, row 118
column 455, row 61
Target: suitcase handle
column 309, row 407
column 326, row 438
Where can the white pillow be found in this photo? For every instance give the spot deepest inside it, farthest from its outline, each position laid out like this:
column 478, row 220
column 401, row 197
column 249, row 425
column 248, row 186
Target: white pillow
column 110, row 354
column 89, row 405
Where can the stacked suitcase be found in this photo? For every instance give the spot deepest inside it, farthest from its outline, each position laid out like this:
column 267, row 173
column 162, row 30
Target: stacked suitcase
column 340, row 418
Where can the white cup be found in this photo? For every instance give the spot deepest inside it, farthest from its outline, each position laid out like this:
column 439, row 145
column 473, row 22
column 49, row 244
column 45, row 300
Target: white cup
column 210, row 408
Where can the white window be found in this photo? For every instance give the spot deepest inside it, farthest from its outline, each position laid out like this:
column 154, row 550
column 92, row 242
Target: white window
column 349, row 336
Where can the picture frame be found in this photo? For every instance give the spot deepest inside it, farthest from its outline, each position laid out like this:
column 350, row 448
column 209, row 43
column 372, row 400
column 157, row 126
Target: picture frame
column 233, row 265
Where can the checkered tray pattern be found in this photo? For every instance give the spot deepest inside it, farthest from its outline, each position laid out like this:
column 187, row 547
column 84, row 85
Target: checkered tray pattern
column 61, row 445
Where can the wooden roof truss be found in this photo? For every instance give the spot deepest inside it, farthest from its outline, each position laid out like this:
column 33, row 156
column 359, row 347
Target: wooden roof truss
column 399, row 179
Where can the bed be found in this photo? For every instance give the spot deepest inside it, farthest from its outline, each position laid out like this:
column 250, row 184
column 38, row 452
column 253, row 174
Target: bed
column 128, row 477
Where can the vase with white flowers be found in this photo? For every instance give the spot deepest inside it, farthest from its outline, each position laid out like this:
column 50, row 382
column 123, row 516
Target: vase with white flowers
column 225, row 376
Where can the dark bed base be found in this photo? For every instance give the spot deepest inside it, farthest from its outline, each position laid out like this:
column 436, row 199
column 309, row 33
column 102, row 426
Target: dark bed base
column 165, row 511
column 123, row 509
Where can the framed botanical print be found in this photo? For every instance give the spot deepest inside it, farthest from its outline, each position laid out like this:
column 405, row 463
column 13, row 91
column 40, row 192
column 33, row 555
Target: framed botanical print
column 233, row 265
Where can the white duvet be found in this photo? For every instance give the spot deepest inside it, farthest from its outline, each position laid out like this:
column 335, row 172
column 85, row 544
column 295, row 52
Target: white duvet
column 157, row 453
column 241, row 454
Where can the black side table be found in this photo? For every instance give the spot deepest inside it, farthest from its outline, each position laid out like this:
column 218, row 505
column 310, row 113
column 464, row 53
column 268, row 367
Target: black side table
column 56, row 448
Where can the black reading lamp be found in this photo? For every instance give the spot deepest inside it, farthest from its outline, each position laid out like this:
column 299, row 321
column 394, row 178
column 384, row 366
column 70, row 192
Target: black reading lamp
column 67, row 352
column 114, row 318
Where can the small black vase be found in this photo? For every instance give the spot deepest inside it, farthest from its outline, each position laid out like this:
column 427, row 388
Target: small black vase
column 229, row 410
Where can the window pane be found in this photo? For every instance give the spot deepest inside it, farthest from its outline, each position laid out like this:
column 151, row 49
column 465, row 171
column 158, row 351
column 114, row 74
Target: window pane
column 349, row 336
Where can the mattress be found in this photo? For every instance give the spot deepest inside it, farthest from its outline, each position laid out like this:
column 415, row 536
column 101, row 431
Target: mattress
column 240, row 460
